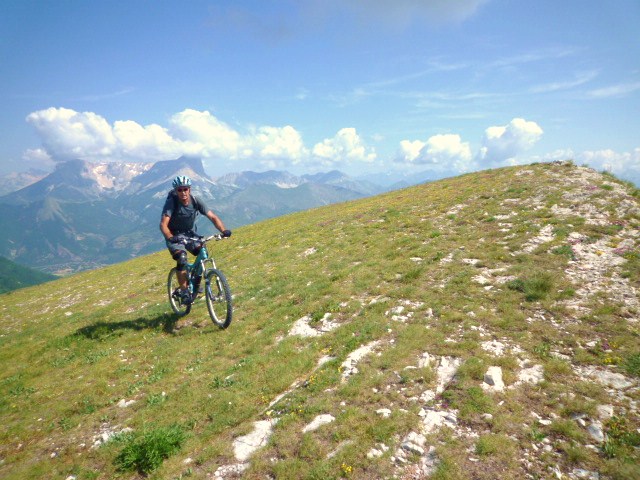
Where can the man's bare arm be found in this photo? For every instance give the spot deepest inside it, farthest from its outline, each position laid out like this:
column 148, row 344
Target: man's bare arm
column 164, row 227
column 216, row 221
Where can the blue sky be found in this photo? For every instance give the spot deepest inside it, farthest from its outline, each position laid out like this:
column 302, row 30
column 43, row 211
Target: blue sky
column 448, row 86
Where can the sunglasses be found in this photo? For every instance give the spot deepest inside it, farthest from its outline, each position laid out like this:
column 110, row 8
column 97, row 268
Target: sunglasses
column 183, row 189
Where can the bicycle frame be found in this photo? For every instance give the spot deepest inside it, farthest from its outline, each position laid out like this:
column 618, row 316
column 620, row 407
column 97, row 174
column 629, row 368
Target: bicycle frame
column 199, row 266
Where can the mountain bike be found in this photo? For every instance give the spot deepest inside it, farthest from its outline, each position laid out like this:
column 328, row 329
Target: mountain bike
column 216, row 288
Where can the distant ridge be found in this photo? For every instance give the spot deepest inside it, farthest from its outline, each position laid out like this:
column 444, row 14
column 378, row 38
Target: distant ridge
column 84, row 215
column 18, row 180
column 14, row 276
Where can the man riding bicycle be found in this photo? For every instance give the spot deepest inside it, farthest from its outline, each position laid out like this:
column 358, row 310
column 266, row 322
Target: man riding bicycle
column 177, row 225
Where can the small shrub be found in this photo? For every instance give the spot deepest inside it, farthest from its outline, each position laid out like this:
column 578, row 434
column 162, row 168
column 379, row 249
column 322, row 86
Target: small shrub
column 156, row 399
column 473, row 368
column 566, row 293
column 579, row 405
column 620, row 470
column 87, row 406
column 534, row 288
column 632, row 364
column 536, row 435
column 493, row 444
column 575, row 454
column 555, row 369
column 65, row 424
column 517, row 285
column 22, row 391
column 621, row 440
column 567, row 429
column 565, row 251
column 469, row 401
column 146, row 452
column 543, row 350
column 411, row 275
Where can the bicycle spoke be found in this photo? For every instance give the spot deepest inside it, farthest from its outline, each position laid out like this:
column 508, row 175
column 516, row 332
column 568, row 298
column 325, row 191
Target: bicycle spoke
column 218, row 297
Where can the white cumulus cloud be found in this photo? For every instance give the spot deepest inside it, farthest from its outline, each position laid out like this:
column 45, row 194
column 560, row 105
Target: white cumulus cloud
column 345, row 147
column 66, row 134
column 279, row 147
column 202, row 134
column 445, row 152
column 624, row 165
column 501, row 144
column 618, row 163
column 144, row 143
column 410, row 151
column 38, row 158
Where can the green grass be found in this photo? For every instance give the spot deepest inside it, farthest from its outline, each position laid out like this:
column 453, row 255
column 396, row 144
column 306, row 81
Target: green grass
column 72, row 350
column 564, row 250
column 632, row 364
column 534, row 287
column 622, row 441
column 146, row 452
column 489, row 445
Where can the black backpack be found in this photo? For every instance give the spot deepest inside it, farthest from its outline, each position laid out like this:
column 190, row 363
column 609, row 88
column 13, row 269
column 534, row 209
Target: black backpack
column 174, row 198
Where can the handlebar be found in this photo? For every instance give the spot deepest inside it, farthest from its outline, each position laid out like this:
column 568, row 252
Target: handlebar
column 216, row 237
column 185, row 239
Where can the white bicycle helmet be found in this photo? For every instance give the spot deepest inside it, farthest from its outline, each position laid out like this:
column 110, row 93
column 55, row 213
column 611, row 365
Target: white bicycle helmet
column 181, row 181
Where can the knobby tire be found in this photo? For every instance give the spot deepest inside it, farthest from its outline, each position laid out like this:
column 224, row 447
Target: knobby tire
column 172, row 285
column 218, row 296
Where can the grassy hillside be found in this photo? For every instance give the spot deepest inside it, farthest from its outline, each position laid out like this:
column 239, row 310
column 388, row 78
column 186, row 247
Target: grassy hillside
column 370, row 339
column 14, row 276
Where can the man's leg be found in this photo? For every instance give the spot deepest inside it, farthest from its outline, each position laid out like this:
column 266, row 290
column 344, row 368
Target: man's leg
column 180, row 256
column 182, row 279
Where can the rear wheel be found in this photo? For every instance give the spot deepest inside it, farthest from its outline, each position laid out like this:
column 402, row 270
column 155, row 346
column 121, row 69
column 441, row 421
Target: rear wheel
column 173, row 290
column 218, row 296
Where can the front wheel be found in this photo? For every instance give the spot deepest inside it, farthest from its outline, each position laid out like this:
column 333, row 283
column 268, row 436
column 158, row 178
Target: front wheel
column 218, row 297
column 173, row 289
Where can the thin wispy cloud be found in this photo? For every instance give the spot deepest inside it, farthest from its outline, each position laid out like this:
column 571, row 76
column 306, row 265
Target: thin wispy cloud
column 579, row 80
column 533, row 56
column 105, row 96
column 463, row 116
column 434, row 66
column 385, row 86
column 619, row 90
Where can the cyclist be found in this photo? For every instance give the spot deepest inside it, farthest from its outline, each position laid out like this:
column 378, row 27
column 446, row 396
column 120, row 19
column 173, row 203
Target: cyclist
column 177, row 225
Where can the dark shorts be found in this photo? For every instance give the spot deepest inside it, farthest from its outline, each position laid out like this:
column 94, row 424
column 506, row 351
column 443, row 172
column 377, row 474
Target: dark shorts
column 175, row 248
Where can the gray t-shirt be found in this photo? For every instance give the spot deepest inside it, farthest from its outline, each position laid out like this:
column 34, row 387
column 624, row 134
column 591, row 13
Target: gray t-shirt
column 183, row 217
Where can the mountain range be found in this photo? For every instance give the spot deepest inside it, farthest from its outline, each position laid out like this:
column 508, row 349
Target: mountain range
column 84, row 215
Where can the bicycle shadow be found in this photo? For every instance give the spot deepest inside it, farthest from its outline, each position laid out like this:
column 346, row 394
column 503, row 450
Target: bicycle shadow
column 102, row 330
